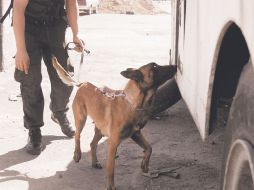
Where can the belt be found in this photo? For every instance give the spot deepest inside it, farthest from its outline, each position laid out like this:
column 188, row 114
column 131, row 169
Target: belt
column 43, row 21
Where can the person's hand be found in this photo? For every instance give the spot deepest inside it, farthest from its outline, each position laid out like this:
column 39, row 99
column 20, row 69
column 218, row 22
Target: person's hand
column 22, row 61
column 80, row 43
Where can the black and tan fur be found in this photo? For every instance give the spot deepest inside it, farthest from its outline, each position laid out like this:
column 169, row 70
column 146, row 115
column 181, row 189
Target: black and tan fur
column 119, row 116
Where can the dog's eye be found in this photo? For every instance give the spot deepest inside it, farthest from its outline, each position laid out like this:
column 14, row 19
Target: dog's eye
column 155, row 65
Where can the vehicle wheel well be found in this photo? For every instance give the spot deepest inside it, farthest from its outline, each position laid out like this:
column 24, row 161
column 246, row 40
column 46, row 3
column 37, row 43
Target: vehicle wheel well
column 232, row 56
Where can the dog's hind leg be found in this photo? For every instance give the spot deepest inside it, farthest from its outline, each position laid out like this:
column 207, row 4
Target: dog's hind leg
column 142, row 142
column 97, row 137
column 80, row 116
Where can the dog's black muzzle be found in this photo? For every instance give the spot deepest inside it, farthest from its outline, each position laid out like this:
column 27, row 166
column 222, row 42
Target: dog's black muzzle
column 163, row 73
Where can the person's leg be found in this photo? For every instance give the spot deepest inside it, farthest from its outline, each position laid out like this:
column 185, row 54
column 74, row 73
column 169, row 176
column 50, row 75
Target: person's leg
column 60, row 93
column 32, row 97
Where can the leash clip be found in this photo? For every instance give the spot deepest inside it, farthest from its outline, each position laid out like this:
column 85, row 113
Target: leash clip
column 74, row 46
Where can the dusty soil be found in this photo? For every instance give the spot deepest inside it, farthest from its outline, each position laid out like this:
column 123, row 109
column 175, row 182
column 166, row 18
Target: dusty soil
column 116, row 42
column 131, row 6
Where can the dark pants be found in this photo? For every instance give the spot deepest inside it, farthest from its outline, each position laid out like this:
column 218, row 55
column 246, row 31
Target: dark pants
column 41, row 43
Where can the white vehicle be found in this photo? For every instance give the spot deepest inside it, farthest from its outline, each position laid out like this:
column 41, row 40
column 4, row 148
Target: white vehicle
column 213, row 47
column 88, row 6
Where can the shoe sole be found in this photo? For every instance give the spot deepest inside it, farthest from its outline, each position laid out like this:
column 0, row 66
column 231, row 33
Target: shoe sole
column 36, row 151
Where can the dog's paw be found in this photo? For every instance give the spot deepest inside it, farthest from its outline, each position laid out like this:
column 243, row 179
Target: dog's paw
column 112, row 188
column 97, row 165
column 77, row 156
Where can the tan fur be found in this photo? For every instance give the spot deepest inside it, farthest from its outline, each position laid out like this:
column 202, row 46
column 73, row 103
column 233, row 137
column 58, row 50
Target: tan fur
column 117, row 118
column 64, row 76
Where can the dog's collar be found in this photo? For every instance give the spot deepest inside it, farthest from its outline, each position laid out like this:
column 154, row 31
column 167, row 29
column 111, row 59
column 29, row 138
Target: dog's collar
column 141, row 109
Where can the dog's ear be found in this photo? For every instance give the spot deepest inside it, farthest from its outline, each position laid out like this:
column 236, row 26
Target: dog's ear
column 133, row 74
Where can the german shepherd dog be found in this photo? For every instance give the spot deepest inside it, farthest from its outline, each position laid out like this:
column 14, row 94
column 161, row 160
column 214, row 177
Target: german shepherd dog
column 117, row 114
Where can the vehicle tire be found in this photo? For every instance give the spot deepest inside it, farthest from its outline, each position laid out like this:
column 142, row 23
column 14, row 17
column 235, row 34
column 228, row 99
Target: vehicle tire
column 238, row 163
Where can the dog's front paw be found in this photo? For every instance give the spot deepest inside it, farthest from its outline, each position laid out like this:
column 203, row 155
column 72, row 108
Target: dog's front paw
column 112, row 188
column 77, row 156
column 97, row 165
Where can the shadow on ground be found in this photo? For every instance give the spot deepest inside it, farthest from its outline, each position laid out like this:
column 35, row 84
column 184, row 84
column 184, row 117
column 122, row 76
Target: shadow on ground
column 175, row 142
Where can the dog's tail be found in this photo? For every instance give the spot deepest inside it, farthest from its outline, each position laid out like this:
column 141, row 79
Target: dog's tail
column 63, row 74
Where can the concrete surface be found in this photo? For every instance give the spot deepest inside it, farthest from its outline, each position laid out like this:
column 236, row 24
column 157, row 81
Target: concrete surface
column 116, row 43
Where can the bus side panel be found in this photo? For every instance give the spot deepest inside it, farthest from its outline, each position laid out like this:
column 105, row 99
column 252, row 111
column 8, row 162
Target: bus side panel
column 198, row 47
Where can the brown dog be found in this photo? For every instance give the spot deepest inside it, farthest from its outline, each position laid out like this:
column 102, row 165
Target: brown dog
column 116, row 114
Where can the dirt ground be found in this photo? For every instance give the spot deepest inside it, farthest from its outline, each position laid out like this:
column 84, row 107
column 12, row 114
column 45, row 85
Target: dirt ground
column 131, row 6
column 116, row 42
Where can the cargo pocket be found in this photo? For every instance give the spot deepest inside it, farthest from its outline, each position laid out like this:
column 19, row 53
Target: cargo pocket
column 19, row 75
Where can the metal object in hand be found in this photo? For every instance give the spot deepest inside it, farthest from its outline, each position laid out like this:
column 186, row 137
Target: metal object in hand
column 74, row 46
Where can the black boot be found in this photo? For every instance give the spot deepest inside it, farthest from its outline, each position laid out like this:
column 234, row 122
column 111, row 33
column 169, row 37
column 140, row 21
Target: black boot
column 62, row 120
column 34, row 145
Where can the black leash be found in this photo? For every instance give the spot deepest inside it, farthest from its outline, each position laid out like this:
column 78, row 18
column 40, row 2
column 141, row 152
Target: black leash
column 76, row 45
column 7, row 12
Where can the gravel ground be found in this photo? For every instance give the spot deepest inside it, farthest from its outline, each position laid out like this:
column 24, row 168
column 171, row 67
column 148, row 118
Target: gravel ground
column 116, row 42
